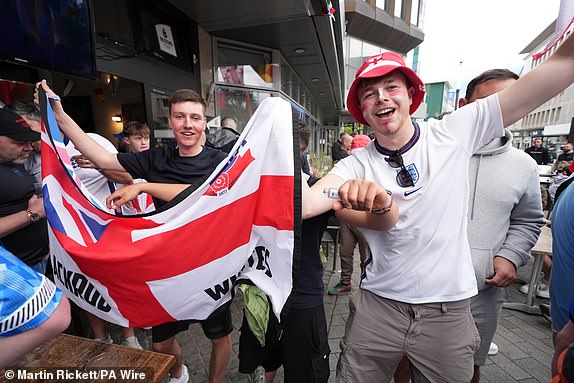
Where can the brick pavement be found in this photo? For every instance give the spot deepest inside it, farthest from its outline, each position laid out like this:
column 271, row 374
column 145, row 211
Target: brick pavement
column 524, row 341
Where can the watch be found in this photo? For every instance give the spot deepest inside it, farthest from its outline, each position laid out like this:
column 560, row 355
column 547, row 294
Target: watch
column 34, row 217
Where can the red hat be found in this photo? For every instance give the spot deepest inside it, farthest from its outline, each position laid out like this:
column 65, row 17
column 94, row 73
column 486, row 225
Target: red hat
column 377, row 66
column 360, row 141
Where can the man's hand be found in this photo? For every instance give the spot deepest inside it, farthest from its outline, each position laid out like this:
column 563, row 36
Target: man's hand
column 83, row 162
column 37, row 205
column 123, row 195
column 53, row 97
column 504, row 273
column 362, row 195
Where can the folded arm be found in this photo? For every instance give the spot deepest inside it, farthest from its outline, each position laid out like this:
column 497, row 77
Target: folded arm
column 362, row 203
column 16, row 221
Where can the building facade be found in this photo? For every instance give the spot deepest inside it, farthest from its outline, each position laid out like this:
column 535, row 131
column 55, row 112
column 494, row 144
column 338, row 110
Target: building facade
column 554, row 120
column 122, row 59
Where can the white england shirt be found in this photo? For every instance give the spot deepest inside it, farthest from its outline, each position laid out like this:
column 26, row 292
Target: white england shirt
column 425, row 257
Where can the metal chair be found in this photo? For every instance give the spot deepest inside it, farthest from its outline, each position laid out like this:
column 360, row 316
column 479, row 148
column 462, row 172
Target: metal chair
column 331, row 236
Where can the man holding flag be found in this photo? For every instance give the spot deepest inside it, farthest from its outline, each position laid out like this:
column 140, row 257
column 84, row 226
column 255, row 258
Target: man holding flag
column 190, row 163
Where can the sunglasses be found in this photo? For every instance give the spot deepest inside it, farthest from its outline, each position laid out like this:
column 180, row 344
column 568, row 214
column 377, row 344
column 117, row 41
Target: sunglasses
column 404, row 178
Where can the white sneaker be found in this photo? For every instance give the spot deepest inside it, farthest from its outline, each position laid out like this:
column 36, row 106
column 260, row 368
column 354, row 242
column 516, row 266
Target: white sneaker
column 132, row 341
column 107, row 339
column 543, row 290
column 524, row 289
column 184, row 378
column 493, row 349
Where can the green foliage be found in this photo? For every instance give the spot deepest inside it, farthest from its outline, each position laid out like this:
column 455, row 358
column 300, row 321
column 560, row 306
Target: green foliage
column 320, row 164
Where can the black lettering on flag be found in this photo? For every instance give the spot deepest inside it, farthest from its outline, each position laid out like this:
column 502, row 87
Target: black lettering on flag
column 219, row 290
column 262, row 256
column 81, row 287
column 68, row 280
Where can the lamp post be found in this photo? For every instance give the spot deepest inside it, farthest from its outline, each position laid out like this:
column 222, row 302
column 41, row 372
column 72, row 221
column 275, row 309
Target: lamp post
column 457, row 94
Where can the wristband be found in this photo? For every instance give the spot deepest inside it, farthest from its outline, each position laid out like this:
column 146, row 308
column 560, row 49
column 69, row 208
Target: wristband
column 34, row 217
column 387, row 208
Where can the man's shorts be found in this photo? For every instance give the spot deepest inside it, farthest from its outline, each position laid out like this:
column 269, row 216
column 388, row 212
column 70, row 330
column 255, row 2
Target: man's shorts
column 252, row 354
column 439, row 339
column 300, row 344
column 27, row 299
column 216, row 326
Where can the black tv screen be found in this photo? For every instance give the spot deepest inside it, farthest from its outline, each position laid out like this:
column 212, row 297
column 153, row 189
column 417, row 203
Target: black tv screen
column 51, row 34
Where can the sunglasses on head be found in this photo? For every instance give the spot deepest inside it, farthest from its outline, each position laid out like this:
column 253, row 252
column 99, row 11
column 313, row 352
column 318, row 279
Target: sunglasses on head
column 404, row 178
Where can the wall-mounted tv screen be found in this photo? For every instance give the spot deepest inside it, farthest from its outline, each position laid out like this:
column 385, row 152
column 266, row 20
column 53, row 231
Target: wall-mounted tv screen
column 51, row 34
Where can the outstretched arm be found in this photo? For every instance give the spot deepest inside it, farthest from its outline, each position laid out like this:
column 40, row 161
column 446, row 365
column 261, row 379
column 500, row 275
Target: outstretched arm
column 539, row 85
column 101, row 158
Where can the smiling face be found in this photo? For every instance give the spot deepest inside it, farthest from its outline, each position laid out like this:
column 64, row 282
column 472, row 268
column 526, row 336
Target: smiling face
column 13, row 151
column 385, row 102
column 187, row 120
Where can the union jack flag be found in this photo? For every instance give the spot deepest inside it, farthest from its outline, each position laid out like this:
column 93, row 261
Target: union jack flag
column 182, row 262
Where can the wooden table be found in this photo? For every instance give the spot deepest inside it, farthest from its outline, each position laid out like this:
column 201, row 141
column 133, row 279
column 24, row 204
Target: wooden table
column 75, row 353
column 543, row 247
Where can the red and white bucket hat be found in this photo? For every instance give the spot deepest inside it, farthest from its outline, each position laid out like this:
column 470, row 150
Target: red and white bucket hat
column 377, row 66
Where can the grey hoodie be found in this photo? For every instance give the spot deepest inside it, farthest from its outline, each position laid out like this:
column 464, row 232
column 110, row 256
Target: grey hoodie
column 505, row 209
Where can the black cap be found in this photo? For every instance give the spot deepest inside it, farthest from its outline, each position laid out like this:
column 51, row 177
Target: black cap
column 14, row 126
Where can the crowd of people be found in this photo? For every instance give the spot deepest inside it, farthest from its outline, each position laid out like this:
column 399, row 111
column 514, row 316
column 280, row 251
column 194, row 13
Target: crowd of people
column 441, row 230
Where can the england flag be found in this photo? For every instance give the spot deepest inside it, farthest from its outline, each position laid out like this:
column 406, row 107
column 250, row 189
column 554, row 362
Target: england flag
column 185, row 261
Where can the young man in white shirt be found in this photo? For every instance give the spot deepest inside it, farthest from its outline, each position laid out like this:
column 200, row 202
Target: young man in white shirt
column 416, row 292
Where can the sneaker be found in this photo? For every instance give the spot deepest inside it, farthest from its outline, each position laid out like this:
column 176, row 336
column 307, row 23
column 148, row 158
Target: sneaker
column 184, row 378
column 258, row 375
column 524, row 289
column 493, row 349
column 107, row 339
column 339, row 288
column 543, row 290
column 132, row 342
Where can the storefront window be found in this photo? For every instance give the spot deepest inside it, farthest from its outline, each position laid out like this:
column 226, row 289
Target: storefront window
column 241, row 66
column 245, row 75
column 162, row 134
column 238, row 103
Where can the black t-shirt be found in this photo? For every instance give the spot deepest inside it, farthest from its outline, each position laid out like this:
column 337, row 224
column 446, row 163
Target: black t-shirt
column 30, row 243
column 165, row 165
column 540, row 154
column 308, row 286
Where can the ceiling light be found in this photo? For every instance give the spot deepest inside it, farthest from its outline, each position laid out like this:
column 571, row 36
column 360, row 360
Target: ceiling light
column 315, row 79
column 117, row 118
column 300, row 50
